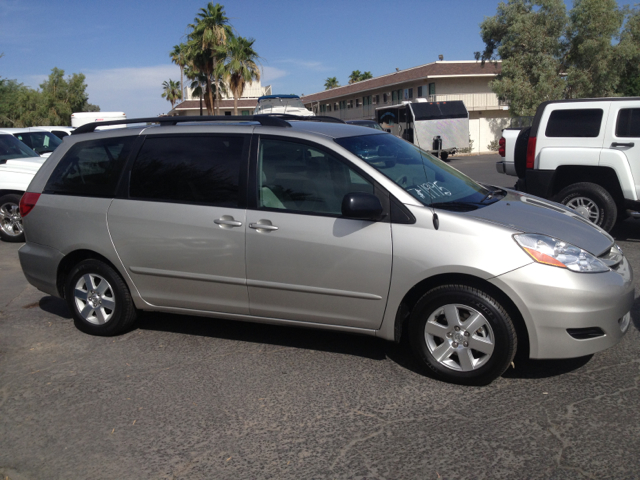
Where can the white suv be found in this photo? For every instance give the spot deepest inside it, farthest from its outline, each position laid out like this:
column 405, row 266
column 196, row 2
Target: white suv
column 582, row 153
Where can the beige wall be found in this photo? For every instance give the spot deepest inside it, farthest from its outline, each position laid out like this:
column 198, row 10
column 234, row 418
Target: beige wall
column 485, row 127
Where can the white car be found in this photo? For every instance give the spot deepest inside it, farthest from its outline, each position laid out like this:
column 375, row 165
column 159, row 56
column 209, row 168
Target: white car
column 37, row 139
column 18, row 166
column 58, row 131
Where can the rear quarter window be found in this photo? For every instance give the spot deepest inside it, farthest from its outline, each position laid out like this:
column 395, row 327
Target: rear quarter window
column 583, row 123
column 91, row 168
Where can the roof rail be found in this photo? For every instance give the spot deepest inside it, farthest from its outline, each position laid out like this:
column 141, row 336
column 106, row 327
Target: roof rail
column 318, row 118
column 266, row 120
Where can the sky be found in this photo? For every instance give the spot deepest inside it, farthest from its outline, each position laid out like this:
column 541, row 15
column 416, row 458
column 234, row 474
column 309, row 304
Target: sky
column 122, row 47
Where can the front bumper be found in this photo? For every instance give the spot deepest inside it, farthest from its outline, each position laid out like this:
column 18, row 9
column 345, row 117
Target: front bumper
column 553, row 300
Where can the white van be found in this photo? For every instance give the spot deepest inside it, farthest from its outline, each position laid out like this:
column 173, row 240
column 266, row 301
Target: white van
column 81, row 118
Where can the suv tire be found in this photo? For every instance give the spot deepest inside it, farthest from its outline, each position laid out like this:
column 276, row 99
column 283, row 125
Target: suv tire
column 592, row 201
column 462, row 334
column 11, row 229
column 99, row 299
column 520, row 152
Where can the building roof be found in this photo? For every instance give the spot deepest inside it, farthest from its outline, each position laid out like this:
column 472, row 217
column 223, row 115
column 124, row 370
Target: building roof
column 430, row 70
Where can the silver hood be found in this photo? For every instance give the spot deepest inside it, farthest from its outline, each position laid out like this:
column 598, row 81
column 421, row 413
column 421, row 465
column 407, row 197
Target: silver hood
column 530, row 214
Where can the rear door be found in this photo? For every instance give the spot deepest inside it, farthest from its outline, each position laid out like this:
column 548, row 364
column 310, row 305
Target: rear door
column 180, row 230
column 304, row 260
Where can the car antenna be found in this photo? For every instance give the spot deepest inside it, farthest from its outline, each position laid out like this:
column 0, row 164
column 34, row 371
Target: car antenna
column 436, row 220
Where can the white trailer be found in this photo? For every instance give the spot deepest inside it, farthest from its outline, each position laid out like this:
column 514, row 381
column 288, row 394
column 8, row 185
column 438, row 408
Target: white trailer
column 441, row 128
column 81, row 118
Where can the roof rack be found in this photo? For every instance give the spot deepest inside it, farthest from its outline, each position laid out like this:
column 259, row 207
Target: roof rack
column 265, row 120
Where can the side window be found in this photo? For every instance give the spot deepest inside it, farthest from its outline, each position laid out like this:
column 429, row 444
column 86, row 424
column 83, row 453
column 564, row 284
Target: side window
column 91, row 168
column 189, row 169
column 628, row 123
column 297, row 177
column 574, row 123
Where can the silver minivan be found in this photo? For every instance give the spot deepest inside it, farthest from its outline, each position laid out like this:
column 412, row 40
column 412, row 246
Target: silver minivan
column 311, row 222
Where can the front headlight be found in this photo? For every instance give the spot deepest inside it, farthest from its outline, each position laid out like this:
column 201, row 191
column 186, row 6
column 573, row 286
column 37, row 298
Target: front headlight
column 550, row 251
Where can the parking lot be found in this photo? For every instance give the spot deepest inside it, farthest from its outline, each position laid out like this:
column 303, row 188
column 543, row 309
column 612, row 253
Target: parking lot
column 194, row 398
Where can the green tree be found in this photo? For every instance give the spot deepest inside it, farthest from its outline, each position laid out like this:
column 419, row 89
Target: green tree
column 209, row 35
column 591, row 57
column 549, row 55
column 365, row 76
column 628, row 55
column 242, row 67
column 331, row 82
column 354, row 77
column 171, row 91
column 179, row 57
column 528, row 36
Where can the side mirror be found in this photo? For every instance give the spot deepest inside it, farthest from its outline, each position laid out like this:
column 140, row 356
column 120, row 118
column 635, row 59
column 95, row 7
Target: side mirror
column 361, row 206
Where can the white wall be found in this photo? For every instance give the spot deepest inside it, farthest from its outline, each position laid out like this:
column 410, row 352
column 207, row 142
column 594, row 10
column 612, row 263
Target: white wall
column 486, row 126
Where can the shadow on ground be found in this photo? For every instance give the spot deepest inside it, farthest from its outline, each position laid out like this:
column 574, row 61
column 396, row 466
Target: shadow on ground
column 320, row 340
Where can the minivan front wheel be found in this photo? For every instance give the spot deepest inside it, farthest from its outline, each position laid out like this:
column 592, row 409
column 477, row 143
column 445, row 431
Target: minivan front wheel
column 462, row 334
column 11, row 229
column 99, row 299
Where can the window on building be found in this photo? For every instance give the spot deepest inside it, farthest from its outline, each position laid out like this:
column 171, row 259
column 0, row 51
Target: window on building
column 376, row 99
column 432, row 89
column 394, row 97
column 419, row 92
column 336, row 107
column 246, row 112
column 328, row 107
column 357, row 102
column 350, row 104
column 408, row 93
column 385, row 98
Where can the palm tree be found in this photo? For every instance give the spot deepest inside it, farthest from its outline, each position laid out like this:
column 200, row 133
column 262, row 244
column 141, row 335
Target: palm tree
column 241, row 67
column 178, row 56
column 365, row 76
column 171, row 91
column 331, row 82
column 354, row 77
column 210, row 32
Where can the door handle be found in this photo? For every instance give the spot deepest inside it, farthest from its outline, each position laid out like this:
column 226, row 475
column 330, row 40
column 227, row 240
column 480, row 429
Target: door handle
column 616, row 144
column 227, row 221
column 263, row 226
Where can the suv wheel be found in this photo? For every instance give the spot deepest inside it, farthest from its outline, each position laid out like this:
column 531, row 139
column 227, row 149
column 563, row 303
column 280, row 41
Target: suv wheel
column 591, row 201
column 99, row 299
column 462, row 334
column 11, row 229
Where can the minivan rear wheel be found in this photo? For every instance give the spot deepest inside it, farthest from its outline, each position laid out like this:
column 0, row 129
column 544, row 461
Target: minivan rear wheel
column 462, row 334
column 99, row 299
column 11, row 229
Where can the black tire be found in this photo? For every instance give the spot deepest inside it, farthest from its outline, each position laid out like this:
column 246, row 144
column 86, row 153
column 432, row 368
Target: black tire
column 89, row 304
column 444, row 156
column 520, row 152
column 10, row 220
column 491, row 331
column 592, row 201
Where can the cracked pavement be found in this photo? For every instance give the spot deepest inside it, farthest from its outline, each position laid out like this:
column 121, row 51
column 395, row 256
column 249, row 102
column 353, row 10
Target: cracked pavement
column 195, row 398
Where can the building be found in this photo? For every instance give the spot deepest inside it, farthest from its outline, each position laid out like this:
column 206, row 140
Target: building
column 246, row 104
column 437, row 82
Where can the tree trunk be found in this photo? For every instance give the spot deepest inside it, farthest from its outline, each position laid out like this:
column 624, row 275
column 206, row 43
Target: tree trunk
column 211, row 102
column 235, row 105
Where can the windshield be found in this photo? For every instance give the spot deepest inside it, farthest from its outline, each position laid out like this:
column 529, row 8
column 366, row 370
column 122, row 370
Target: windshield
column 10, row 148
column 425, row 177
column 41, row 142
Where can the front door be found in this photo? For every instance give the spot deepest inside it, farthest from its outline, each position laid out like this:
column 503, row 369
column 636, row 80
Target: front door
column 181, row 232
column 305, row 262
column 622, row 137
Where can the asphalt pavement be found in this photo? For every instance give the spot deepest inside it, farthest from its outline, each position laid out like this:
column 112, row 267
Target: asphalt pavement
column 184, row 397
